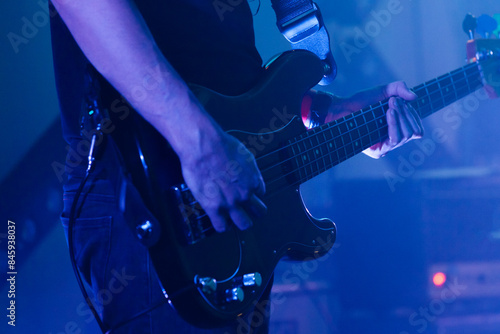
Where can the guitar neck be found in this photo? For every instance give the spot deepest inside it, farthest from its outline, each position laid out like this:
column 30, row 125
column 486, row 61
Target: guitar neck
column 438, row 93
column 326, row 146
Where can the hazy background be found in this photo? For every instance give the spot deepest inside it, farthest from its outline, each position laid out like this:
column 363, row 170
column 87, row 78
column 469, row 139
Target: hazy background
column 442, row 214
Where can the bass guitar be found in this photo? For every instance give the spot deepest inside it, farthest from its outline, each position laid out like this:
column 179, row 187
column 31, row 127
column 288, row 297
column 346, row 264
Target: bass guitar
column 213, row 278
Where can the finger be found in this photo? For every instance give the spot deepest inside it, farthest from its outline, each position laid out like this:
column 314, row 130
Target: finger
column 240, row 218
column 409, row 121
column 419, row 130
column 394, row 132
column 219, row 222
column 406, row 122
column 261, row 186
column 255, row 206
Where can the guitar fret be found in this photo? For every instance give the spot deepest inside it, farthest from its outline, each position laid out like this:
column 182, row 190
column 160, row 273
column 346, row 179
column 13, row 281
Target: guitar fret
column 365, row 140
column 348, row 145
column 430, row 88
column 428, row 98
column 357, row 141
column 327, row 160
column 475, row 78
column 311, row 156
column 469, row 86
column 326, row 146
column 332, row 146
column 349, row 148
column 328, row 140
column 320, row 160
column 454, row 85
column 326, row 151
column 317, row 154
column 352, row 131
column 361, row 125
column 305, row 156
column 449, row 95
column 440, row 87
column 460, row 88
column 339, row 140
column 422, row 103
column 297, row 160
column 439, row 94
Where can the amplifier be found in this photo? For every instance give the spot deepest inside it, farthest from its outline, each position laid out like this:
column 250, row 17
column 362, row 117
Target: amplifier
column 461, row 219
column 469, row 324
column 464, row 280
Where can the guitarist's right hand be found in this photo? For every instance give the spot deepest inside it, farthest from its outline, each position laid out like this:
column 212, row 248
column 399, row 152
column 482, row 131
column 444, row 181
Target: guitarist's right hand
column 220, row 171
column 224, row 178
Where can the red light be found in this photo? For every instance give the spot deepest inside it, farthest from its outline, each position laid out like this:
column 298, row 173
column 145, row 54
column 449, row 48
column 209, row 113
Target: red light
column 439, row 279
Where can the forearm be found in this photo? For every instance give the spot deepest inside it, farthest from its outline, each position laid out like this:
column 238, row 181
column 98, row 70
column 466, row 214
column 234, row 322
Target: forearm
column 116, row 40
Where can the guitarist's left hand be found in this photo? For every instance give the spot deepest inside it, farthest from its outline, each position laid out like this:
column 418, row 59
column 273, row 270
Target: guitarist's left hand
column 402, row 119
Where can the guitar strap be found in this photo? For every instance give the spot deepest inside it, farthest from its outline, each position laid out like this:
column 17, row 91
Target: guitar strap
column 301, row 23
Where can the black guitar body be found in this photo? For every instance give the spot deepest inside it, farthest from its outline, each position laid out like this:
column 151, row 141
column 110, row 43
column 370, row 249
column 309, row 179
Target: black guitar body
column 212, row 278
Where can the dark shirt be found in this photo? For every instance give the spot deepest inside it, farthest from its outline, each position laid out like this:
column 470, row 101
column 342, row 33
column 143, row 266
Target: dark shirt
column 208, row 45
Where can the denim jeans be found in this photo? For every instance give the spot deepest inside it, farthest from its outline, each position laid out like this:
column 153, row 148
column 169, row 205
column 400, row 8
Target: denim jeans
column 118, row 268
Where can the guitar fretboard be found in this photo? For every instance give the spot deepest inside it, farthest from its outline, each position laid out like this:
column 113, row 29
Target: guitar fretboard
column 323, row 147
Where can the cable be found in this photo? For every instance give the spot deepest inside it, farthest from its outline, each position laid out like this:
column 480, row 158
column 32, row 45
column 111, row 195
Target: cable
column 71, row 224
column 72, row 217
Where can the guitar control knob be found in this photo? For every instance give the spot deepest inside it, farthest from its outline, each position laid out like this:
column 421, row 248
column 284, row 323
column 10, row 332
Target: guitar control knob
column 235, row 294
column 207, row 284
column 252, row 279
column 144, row 230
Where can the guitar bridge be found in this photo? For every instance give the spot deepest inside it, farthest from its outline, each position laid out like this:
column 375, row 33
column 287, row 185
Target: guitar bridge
column 195, row 224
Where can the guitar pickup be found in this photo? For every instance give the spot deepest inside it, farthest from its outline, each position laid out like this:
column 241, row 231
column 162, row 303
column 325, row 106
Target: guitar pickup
column 195, row 224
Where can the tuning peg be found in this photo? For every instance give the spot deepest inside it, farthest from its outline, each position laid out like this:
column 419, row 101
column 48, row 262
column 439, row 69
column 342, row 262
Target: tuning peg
column 469, row 25
column 486, row 25
column 497, row 31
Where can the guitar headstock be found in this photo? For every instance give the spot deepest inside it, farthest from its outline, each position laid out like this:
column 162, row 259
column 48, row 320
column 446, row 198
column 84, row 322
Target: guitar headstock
column 485, row 50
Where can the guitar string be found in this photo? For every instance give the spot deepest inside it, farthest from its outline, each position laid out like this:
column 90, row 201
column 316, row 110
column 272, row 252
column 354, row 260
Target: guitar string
column 423, row 87
column 343, row 147
column 371, row 108
column 210, row 228
column 308, row 175
column 377, row 105
column 336, row 151
column 340, row 153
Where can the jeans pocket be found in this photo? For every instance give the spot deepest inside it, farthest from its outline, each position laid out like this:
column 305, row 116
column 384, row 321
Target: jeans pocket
column 91, row 244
